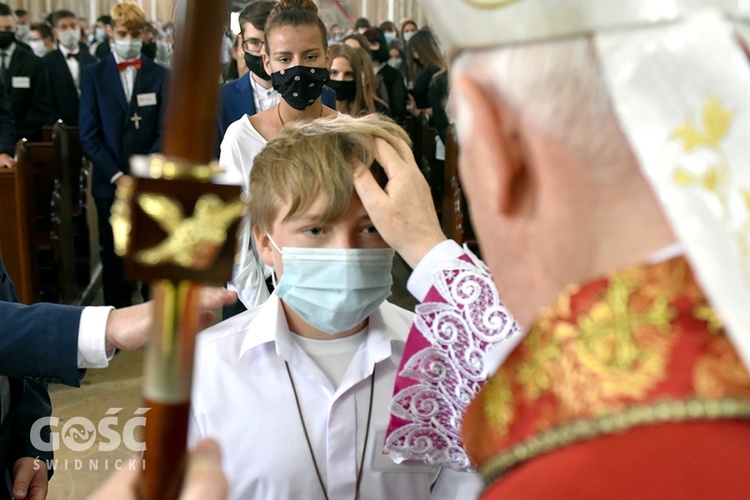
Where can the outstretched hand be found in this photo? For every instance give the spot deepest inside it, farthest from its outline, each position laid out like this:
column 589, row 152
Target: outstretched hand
column 403, row 212
column 130, row 327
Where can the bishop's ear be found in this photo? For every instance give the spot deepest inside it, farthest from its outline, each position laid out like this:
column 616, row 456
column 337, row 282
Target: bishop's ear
column 492, row 156
column 265, row 250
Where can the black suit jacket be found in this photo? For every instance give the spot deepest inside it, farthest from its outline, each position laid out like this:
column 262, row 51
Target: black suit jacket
column 7, row 125
column 27, row 85
column 65, row 100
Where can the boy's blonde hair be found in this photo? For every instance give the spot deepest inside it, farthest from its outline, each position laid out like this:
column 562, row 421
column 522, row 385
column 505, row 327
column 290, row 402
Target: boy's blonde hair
column 309, row 159
column 131, row 15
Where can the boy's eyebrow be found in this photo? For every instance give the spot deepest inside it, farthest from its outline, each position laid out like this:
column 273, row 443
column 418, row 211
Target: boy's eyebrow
column 307, row 218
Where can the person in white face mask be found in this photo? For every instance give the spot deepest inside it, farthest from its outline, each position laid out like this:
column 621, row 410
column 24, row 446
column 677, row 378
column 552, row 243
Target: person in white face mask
column 41, row 39
column 122, row 99
column 64, row 66
column 296, row 390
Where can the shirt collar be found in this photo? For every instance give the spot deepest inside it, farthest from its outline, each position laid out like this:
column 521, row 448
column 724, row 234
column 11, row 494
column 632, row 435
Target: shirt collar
column 65, row 51
column 11, row 48
column 119, row 59
column 258, row 87
column 269, row 325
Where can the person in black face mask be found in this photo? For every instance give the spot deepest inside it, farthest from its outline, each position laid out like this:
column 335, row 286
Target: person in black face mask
column 25, row 79
column 294, row 52
column 253, row 93
column 346, row 69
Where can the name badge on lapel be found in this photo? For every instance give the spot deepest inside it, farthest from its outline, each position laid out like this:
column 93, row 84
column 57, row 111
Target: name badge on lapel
column 21, row 82
column 148, row 99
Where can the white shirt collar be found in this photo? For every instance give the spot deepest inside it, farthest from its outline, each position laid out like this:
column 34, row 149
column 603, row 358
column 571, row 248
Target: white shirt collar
column 11, row 48
column 379, row 337
column 65, row 51
column 119, row 59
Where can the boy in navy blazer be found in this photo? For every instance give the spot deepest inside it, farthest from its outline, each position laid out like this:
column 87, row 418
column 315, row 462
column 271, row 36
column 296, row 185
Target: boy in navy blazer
column 122, row 99
column 64, row 66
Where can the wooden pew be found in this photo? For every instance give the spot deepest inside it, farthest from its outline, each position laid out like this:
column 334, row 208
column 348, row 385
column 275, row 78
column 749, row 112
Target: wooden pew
column 15, row 225
column 455, row 220
column 76, row 247
column 38, row 158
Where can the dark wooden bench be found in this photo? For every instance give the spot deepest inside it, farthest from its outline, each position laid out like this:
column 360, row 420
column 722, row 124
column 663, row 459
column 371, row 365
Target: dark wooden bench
column 80, row 270
column 38, row 160
column 15, row 232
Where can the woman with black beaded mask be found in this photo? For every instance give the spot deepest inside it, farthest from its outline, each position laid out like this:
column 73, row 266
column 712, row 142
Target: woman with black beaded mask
column 295, row 54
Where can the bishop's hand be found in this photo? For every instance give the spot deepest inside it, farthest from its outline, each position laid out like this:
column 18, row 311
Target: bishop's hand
column 403, row 212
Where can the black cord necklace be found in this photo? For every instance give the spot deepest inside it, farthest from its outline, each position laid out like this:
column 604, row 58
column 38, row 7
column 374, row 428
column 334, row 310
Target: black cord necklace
column 307, row 436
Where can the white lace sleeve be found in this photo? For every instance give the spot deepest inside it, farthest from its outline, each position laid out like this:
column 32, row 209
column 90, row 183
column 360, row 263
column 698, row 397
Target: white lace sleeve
column 444, row 363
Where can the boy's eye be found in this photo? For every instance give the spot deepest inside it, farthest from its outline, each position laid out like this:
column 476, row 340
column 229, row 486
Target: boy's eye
column 370, row 230
column 314, row 231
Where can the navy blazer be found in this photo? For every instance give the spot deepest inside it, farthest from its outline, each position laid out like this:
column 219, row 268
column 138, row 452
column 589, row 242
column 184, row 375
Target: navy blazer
column 236, row 100
column 35, row 342
column 65, row 101
column 108, row 134
column 29, row 103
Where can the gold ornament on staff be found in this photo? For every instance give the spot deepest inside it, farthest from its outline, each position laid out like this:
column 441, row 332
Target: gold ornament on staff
column 176, row 230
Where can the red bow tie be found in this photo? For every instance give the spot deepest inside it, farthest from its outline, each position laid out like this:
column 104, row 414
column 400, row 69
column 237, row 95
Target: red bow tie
column 135, row 63
column 74, row 56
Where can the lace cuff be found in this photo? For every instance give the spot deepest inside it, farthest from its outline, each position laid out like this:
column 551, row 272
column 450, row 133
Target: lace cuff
column 444, row 363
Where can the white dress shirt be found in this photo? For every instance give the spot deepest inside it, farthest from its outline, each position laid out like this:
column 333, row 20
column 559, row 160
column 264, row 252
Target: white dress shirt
column 242, row 397
column 9, row 54
column 239, row 147
column 127, row 75
column 74, row 66
column 262, row 98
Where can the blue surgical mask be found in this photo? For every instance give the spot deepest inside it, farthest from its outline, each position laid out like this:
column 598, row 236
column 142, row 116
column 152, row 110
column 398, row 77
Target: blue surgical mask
column 408, row 35
column 389, row 36
column 394, row 62
column 334, row 289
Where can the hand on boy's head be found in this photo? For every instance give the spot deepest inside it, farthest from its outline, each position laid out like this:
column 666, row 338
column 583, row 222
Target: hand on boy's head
column 403, row 212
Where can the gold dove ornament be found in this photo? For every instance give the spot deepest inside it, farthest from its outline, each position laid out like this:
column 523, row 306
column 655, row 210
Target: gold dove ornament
column 193, row 242
column 183, row 229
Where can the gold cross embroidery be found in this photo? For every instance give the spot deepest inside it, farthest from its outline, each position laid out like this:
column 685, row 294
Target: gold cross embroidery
column 621, row 322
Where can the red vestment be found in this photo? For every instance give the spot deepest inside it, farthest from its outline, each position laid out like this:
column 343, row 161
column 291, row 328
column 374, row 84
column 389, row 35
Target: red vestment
column 627, row 387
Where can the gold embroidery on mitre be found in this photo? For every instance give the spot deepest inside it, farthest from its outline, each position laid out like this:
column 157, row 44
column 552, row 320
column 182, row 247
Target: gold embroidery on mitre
column 193, row 242
column 715, row 120
column 490, row 4
column 715, row 179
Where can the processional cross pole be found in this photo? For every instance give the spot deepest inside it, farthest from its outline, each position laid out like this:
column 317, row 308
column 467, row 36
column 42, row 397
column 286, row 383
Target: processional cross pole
column 177, row 230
